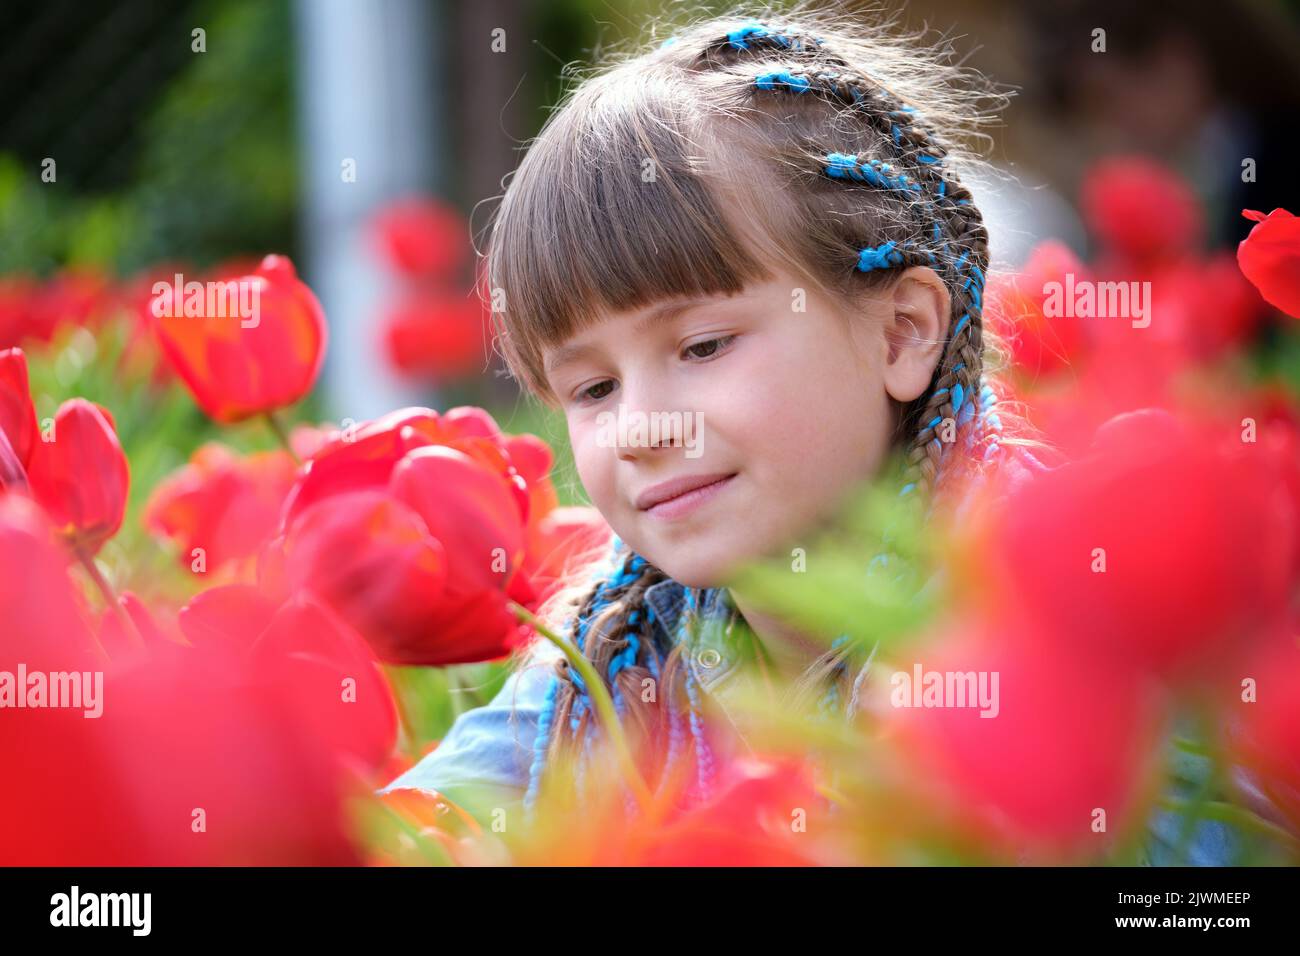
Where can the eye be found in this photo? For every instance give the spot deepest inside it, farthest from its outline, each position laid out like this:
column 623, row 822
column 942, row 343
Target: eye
column 595, row 393
column 709, row 347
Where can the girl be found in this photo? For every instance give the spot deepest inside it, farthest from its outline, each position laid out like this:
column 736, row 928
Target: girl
column 762, row 226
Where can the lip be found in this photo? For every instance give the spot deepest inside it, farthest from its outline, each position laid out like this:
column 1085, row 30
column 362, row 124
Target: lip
column 669, row 499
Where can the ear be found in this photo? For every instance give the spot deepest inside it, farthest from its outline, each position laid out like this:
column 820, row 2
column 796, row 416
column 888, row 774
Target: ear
column 916, row 327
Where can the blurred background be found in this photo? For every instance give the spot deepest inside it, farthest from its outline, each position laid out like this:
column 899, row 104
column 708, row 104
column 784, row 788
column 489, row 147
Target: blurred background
column 368, row 140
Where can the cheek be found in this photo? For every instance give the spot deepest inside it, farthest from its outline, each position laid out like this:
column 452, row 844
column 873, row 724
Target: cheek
column 594, row 464
column 824, row 418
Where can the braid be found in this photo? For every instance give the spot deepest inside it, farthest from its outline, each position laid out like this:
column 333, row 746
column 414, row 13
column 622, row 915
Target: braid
column 950, row 235
column 945, row 230
column 612, row 629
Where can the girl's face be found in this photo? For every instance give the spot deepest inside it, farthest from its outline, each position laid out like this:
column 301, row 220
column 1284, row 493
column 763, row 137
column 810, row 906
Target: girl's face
column 783, row 410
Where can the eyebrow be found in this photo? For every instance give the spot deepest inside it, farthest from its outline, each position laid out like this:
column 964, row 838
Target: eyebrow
column 665, row 312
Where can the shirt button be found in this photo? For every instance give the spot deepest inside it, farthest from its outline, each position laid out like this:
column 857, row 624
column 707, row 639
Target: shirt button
column 709, row 657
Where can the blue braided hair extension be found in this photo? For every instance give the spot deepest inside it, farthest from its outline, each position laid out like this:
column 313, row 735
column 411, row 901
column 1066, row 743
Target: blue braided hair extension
column 607, row 587
column 951, row 237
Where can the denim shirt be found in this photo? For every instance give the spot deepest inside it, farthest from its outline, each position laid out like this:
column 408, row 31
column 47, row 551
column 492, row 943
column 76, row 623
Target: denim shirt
column 483, row 761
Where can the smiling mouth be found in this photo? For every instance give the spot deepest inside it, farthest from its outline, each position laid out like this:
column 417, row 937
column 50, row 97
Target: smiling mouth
column 688, row 501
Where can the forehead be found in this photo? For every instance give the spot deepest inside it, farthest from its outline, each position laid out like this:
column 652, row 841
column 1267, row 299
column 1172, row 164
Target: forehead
column 641, row 321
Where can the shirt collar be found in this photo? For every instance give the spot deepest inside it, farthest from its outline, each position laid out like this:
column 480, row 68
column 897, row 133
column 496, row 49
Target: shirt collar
column 715, row 653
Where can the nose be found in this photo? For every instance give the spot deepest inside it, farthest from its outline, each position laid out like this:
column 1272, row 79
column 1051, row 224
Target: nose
column 647, row 422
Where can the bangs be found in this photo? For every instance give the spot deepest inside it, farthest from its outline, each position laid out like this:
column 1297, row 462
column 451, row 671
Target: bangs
column 615, row 206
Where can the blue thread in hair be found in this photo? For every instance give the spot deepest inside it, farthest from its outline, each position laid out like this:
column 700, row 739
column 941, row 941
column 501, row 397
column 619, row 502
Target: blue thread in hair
column 961, row 325
column 879, row 257
column 958, row 396
column 965, row 414
column 775, row 78
column 540, row 743
column 751, row 29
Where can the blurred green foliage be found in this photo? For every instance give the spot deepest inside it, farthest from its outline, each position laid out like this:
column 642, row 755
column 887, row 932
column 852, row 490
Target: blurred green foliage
column 216, row 173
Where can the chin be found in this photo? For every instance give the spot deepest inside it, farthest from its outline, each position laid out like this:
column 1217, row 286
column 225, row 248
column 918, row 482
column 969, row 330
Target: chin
column 701, row 569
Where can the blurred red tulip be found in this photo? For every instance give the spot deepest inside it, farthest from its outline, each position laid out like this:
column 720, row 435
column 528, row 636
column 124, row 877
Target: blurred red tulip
column 17, row 300
column 1018, row 307
column 72, row 297
column 326, row 671
column 232, row 616
column 112, row 632
column 43, row 622
column 1270, row 258
column 1204, row 305
column 81, row 477
column 1066, row 735
column 191, row 763
column 443, row 335
column 237, row 366
column 1263, row 729
column 1140, row 209
column 1161, row 550
column 422, row 237
column 222, row 503
column 305, row 653
column 17, row 414
column 561, row 544
column 761, row 815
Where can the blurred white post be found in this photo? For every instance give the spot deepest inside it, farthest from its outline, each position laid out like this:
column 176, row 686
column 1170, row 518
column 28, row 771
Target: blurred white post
column 364, row 99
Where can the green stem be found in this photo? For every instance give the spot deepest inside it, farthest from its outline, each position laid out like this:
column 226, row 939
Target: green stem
column 600, row 699
column 282, row 434
column 106, row 592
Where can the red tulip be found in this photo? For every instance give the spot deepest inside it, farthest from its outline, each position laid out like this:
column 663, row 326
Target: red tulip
column 1141, row 210
column 1263, row 732
column 1270, row 258
column 80, row 477
column 1162, row 549
column 17, row 300
column 43, row 622
column 1018, row 309
column 328, row 673
column 304, row 653
column 457, row 476
column 362, row 457
column 422, row 237
column 17, row 414
column 1068, row 735
column 237, row 366
column 1204, row 305
column 439, row 334
column 112, row 633
column 560, row 544
column 223, row 503
column 765, row 811
column 191, row 763
column 373, row 560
